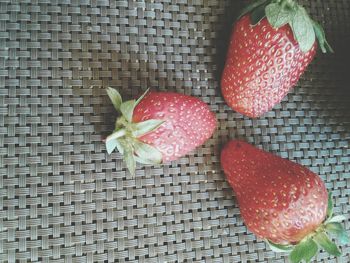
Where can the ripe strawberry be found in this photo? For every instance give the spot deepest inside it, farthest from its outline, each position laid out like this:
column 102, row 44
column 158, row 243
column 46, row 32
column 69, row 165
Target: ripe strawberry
column 281, row 201
column 271, row 45
column 159, row 127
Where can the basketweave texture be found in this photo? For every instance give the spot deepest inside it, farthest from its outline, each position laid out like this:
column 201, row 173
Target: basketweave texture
column 63, row 199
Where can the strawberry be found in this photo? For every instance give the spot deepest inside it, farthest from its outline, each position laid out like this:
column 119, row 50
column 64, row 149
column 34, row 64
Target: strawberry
column 281, row 201
column 159, row 127
column 272, row 43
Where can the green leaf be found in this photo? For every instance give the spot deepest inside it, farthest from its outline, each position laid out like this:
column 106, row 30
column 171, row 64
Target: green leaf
column 119, row 144
column 144, row 127
column 118, row 125
column 130, row 160
column 304, row 250
column 115, row 97
column 323, row 241
column 140, row 98
column 334, row 228
column 110, row 145
column 249, row 8
column 338, row 230
column 258, row 14
column 303, row 30
column 321, row 37
column 279, row 248
column 312, row 250
column 116, row 135
column 277, row 15
column 330, row 205
column 127, row 109
column 147, row 153
column 338, row 218
column 328, row 47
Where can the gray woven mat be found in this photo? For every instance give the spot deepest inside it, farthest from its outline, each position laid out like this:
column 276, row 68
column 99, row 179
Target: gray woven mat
column 63, row 198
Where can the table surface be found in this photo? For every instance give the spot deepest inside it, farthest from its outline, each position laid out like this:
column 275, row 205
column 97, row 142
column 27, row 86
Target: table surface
column 63, row 198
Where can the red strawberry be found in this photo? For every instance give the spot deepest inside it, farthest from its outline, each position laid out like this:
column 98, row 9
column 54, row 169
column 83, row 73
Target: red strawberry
column 281, row 201
column 159, row 127
column 271, row 45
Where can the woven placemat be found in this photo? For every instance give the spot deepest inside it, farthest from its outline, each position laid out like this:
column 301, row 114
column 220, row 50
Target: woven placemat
column 63, row 199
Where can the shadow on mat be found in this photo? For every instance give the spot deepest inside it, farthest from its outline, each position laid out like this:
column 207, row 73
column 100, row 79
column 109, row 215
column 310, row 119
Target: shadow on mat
column 224, row 29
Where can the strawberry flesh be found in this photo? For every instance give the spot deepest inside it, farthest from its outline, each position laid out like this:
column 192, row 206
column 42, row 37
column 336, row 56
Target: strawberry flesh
column 279, row 200
column 262, row 65
column 188, row 122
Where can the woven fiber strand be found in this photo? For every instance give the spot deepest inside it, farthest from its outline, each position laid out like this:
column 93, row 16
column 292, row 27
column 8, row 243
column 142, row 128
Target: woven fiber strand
column 63, row 199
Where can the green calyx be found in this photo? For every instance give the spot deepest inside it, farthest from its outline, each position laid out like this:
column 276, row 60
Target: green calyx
column 125, row 137
column 282, row 12
column 307, row 248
